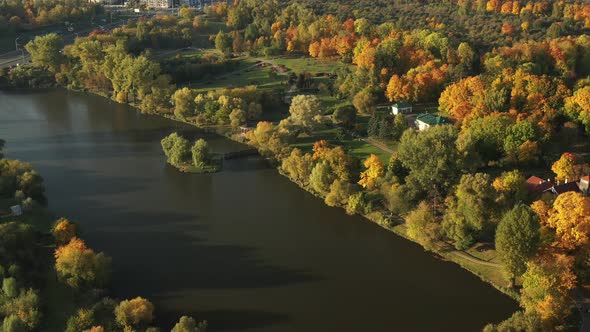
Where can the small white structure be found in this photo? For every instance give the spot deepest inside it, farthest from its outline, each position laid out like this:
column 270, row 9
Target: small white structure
column 426, row 120
column 16, row 210
column 403, row 108
column 585, row 184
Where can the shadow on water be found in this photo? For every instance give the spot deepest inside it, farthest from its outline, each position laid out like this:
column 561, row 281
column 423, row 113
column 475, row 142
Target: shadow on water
column 243, row 248
column 223, row 320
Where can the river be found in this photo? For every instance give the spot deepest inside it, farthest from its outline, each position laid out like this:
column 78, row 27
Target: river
column 245, row 248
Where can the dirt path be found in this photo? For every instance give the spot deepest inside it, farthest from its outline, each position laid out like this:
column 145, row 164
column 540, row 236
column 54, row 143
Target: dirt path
column 378, row 145
column 473, row 259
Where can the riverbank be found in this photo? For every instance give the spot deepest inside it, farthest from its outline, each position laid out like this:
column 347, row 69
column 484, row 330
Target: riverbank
column 491, row 274
column 239, row 241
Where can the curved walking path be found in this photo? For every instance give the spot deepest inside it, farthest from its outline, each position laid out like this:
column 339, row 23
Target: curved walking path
column 473, row 259
column 378, row 145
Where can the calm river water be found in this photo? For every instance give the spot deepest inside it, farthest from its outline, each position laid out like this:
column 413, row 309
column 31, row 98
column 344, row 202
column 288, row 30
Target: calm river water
column 244, row 249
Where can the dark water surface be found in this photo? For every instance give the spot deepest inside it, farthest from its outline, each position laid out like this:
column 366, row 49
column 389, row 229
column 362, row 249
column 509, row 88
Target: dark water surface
column 244, row 248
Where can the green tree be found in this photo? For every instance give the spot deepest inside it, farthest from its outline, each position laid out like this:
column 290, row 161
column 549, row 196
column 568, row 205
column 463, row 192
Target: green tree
column 188, row 324
column 237, row 117
column 357, row 204
column 467, row 55
column 187, row 13
column 81, row 267
column 82, row 320
column 26, row 307
column 13, row 324
column 321, row 177
column 471, row 211
column 516, row 135
column 345, row 116
column 305, row 111
column 200, row 153
column 45, row 51
column 339, row 193
column 223, row 42
column 297, row 166
column 517, row 238
column 183, row 100
column 423, row 226
column 481, row 140
column 176, row 148
column 519, row 321
column 9, row 287
column 364, row 102
column 431, row 157
column 400, row 124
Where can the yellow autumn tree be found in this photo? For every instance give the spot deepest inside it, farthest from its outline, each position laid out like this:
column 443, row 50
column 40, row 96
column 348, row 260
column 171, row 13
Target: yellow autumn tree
column 570, row 217
column 374, row 169
column 568, row 167
column 542, row 210
column 546, row 286
column 137, row 312
column 80, row 267
column 63, row 231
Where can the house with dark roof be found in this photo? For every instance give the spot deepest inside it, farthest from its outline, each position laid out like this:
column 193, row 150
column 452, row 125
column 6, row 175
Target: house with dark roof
column 536, row 185
column 403, row 108
column 427, row 120
column 559, row 189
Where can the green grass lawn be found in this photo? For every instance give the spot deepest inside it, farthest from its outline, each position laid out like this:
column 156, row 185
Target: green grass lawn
column 245, row 74
column 354, row 147
column 299, row 64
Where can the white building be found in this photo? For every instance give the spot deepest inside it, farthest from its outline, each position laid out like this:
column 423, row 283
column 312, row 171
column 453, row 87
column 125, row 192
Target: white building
column 157, row 3
column 403, row 108
column 426, row 120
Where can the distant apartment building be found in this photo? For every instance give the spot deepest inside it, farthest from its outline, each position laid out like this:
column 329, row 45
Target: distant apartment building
column 192, row 3
column 157, row 3
column 106, row 2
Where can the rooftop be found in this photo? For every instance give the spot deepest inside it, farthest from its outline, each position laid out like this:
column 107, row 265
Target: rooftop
column 431, row 119
column 536, row 184
column 563, row 188
column 401, row 105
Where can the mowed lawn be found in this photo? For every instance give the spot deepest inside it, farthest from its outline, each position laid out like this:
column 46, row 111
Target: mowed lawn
column 355, row 147
column 300, row 64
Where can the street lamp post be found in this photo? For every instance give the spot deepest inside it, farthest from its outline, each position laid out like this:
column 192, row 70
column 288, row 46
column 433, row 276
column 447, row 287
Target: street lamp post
column 16, row 42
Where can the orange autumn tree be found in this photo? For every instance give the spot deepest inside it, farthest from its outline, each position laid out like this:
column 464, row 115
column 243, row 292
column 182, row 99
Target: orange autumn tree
column 419, row 84
column 461, row 99
column 63, row 231
column 570, row 217
column 320, row 149
column 374, row 170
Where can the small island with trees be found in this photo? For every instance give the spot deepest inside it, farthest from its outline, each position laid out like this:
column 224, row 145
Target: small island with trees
column 195, row 159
